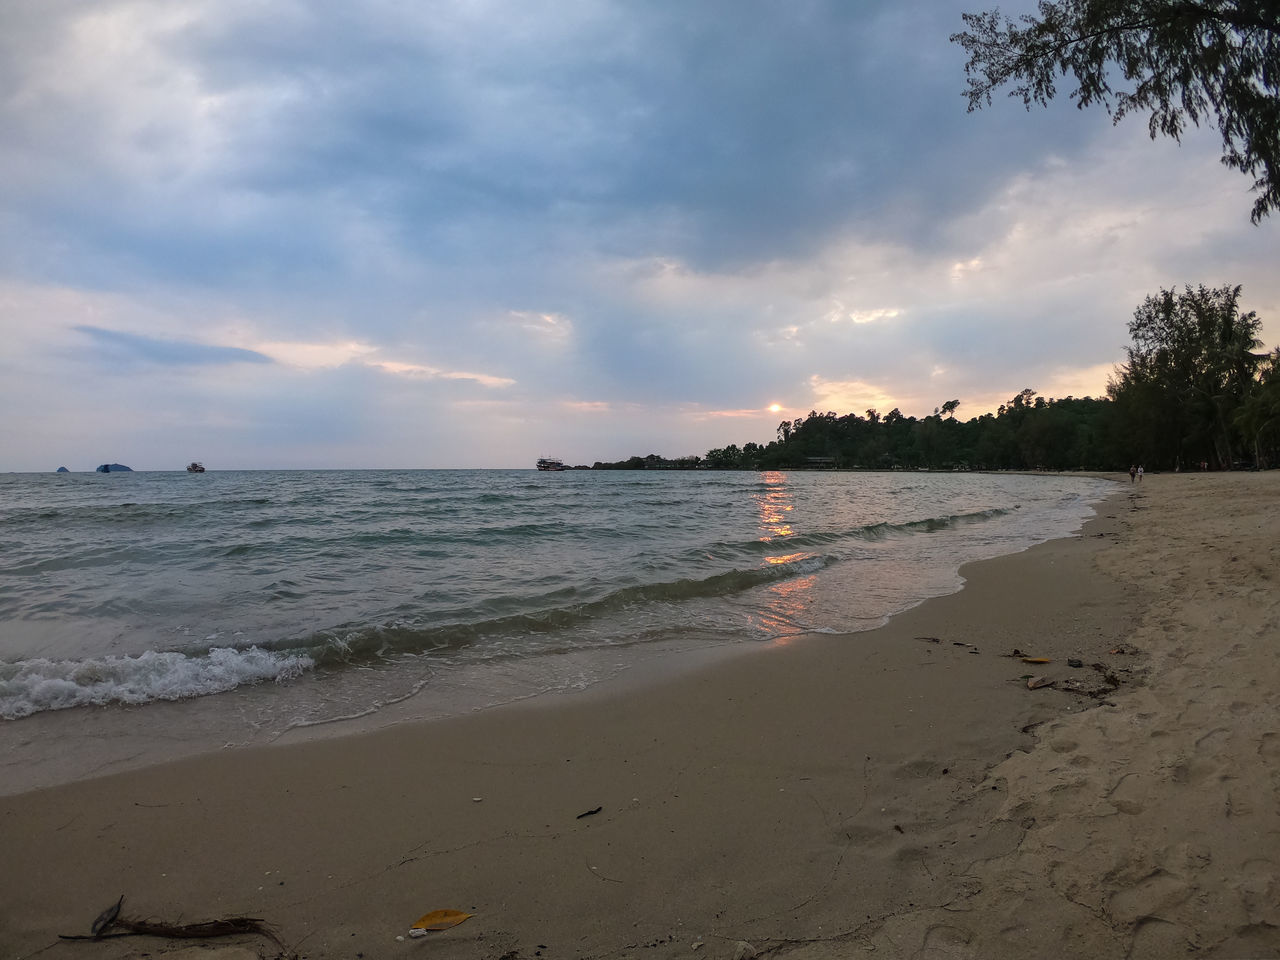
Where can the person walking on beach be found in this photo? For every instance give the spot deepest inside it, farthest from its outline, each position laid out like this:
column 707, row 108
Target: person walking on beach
column 1139, row 473
column 1133, row 472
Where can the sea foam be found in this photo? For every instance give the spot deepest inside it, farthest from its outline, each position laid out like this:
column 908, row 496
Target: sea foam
column 30, row 686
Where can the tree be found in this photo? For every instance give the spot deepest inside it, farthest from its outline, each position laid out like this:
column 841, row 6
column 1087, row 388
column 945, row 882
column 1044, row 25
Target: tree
column 950, row 407
column 1259, row 415
column 1190, row 368
column 724, row 458
column 1182, row 60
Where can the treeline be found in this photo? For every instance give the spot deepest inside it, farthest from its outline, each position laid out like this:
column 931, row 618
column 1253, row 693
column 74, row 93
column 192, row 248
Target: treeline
column 1028, row 432
column 1192, row 393
column 653, row 462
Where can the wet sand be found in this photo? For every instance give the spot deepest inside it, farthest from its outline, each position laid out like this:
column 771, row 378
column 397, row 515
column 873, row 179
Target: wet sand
column 896, row 793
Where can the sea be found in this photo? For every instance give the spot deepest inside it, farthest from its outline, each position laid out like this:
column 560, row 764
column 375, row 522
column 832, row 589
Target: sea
column 152, row 615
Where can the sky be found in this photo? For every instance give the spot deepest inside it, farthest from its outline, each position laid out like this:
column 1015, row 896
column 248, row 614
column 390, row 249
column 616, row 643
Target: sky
column 473, row 233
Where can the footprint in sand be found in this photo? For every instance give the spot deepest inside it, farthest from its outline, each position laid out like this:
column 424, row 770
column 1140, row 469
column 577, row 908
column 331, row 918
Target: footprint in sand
column 943, row 936
column 1269, row 746
column 1259, row 880
column 1155, row 939
column 1157, row 893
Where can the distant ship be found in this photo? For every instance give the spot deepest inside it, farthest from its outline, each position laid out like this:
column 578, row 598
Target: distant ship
column 194, row 467
column 550, row 463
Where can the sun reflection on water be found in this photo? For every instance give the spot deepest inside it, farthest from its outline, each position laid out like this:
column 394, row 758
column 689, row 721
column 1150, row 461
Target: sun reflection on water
column 786, row 558
column 784, row 613
column 773, row 505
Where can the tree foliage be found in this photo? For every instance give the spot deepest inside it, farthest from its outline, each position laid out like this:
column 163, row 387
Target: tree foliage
column 1180, row 60
column 1259, row 415
column 1028, row 432
column 1190, row 369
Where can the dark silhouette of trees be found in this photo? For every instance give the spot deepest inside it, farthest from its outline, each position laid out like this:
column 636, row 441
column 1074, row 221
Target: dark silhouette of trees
column 1183, row 61
column 1189, row 372
column 1259, row 415
column 1029, row 432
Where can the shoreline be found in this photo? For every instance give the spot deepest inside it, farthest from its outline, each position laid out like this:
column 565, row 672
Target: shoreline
column 827, row 797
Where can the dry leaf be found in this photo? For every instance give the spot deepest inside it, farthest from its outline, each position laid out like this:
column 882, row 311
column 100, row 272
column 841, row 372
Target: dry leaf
column 1036, row 660
column 440, row 920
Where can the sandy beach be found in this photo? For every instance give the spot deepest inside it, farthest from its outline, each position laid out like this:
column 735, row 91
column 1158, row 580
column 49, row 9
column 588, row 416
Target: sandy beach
column 895, row 793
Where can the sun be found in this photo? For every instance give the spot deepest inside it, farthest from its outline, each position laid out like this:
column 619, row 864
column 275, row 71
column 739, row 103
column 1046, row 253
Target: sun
column 775, row 408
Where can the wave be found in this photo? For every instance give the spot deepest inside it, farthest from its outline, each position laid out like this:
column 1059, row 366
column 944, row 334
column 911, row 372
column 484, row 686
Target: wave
column 107, row 514
column 36, row 685
column 362, row 645
column 871, row 532
column 932, row 524
column 32, row 686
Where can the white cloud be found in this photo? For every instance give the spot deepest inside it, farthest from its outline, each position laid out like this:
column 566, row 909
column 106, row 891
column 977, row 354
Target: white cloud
column 871, row 316
column 749, row 413
column 588, row 406
column 961, row 268
column 435, row 373
column 313, row 356
column 553, row 326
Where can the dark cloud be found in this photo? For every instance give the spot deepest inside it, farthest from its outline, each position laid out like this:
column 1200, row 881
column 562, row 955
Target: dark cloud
column 722, row 133
column 131, row 349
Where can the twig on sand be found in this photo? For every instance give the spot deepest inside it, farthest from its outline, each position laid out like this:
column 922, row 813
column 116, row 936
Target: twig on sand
column 109, row 921
column 597, row 873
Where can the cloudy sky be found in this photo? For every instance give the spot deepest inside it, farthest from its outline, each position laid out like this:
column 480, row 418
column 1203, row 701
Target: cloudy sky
column 470, row 233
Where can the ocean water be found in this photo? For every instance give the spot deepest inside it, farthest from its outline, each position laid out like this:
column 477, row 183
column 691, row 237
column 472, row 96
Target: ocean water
column 159, row 613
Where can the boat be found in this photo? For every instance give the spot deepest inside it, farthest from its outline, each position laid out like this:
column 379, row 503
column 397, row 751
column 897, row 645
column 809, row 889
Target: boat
column 550, row 463
column 194, row 467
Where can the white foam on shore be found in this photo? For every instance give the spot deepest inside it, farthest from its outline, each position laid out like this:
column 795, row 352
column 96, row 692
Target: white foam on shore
column 35, row 685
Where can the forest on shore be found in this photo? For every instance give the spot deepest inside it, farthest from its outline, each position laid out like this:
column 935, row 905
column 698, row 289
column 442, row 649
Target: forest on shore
column 1193, row 393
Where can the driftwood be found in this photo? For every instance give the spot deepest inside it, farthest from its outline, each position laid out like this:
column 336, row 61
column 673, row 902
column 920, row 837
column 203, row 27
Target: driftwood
column 110, row 920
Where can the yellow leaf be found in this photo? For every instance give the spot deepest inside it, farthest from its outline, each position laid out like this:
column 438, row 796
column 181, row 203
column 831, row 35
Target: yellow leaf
column 440, row 920
column 1036, row 660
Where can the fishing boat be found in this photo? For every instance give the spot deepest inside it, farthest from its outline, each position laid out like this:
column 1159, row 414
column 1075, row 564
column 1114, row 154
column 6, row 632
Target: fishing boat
column 550, row 463
column 194, row 467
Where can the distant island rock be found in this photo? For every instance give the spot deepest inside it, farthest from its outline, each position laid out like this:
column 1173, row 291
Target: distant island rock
column 114, row 468
column 62, row 470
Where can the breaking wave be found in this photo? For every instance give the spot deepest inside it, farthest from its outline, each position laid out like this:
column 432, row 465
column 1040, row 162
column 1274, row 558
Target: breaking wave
column 31, row 686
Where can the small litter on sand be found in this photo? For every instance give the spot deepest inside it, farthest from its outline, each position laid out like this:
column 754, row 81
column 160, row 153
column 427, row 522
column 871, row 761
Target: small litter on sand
column 437, row 920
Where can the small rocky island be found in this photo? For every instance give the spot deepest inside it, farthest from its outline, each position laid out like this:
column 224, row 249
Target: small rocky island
column 114, row 468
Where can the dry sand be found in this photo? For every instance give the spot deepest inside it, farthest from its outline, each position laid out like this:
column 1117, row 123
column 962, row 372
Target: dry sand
column 872, row 795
